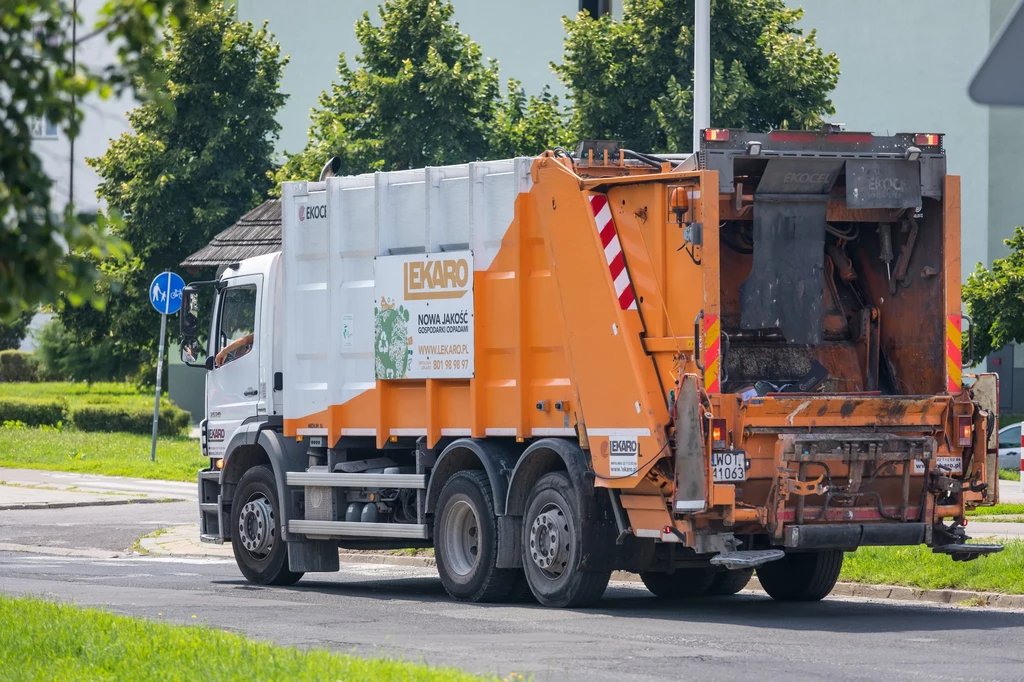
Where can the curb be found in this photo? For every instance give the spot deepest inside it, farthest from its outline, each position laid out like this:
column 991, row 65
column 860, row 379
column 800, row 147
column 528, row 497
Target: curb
column 95, row 503
column 60, row 551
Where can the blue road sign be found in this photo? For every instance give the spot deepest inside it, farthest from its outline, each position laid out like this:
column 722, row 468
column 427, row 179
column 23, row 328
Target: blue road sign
column 165, row 293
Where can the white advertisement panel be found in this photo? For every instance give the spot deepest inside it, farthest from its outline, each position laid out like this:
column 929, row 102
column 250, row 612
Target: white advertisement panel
column 423, row 316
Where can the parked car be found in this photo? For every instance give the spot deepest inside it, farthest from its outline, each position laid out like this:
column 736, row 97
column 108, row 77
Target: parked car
column 1009, row 447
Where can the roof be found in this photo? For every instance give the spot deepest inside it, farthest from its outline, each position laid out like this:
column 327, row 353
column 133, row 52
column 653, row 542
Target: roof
column 256, row 233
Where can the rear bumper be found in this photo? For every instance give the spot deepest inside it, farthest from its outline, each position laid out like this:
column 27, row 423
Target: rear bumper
column 853, row 535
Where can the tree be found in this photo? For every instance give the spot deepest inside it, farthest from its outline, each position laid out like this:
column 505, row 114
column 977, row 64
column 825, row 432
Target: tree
column 632, row 79
column 39, row 81
column 422, row 95
column 189, row 168
column 995, row 299
column 13, row 333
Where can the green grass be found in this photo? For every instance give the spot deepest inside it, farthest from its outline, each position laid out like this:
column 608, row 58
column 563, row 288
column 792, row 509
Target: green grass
column 112, row 454
column 919, row 567
column 41, row 640
column 998, row 510
column 80, row 394
column 1009, row 475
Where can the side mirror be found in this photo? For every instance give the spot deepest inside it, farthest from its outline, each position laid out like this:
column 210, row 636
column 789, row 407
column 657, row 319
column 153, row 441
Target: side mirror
column 190, row 351
column 188, row 322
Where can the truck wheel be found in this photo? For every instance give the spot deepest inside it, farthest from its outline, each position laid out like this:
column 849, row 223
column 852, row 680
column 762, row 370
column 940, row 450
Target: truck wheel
column 466, row 540
column 680, row 583
column 730, row 582
column 260, row 553
column 553, row 546
column 807, row 576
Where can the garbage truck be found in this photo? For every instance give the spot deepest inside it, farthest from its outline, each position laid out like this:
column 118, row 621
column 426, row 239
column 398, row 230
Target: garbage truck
column 691, row 367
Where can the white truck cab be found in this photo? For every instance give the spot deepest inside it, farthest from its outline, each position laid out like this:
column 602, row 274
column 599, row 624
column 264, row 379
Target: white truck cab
column 241, row 358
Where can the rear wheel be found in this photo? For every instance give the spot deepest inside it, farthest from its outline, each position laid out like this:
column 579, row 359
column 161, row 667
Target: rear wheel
column 260, row 553
column 466, row 541
column 553, row 546
column 680, row 583
column 808, row 576
column 730, row 582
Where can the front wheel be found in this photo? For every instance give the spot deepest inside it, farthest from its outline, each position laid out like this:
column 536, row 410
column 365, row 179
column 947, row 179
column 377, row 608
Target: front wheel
column 807, row 576
column 553, row 546
column 260, row 553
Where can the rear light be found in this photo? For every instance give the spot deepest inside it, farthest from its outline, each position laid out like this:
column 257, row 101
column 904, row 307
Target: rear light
column 716, row 134
column 719, row 432
column 964, row 431
column 928, row 139
column 792, row 136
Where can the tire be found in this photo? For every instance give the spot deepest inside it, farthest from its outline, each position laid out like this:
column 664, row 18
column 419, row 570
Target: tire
column 680, row 583
column 552, row 567
column 806, row 576
column 466, row 541
column 730, row 582
column 260, row 553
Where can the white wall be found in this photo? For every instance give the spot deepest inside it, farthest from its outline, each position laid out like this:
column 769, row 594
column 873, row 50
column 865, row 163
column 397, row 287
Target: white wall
column 104, row 120
column 524, row 36
column 905, row 68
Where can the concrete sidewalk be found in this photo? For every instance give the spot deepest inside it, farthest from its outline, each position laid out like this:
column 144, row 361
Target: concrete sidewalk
column 36, row 489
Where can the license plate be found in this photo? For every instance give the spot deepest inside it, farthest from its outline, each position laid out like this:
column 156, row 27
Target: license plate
column 729, row 466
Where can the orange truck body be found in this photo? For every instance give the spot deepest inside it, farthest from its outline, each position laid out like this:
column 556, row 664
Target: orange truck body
column 618, row 318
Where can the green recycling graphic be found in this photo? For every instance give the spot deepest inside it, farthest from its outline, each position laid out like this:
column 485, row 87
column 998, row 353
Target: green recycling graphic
column 392, row 351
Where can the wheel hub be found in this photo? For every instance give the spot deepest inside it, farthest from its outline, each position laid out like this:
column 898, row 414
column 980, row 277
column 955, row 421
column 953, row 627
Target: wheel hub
column 256, row 529
column 462, row 537
column 549, row 541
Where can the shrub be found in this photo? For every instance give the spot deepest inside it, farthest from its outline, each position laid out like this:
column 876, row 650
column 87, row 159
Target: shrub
column 33, row 412
column 16, row 365
column 65, row 358
column 173, row 420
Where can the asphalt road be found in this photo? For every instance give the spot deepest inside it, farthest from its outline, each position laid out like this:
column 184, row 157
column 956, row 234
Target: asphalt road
column 403, row 612
column 114, row 528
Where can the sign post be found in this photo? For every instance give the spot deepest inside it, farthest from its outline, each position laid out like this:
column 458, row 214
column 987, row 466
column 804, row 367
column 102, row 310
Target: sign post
column 165, row 295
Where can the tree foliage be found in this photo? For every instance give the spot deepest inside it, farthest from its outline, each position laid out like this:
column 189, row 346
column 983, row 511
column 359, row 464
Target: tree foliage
column 38, row 81
column 12, row 333
column 189, row 168
column 421, row 95
column 995, row 299
column 632, row 79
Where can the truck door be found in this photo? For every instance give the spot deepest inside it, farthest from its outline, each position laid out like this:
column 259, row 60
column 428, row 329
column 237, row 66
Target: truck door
column 233, row 386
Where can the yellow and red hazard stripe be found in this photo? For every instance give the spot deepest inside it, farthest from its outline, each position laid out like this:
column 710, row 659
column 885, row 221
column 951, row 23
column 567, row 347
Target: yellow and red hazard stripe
column 712, row 353
column 954, row 354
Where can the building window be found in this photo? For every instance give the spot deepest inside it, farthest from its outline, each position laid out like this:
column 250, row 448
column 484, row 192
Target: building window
column 42, row 128
column 596, row 8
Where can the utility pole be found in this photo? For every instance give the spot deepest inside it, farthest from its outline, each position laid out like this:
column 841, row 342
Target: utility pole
column 701, row 69
column 74, row 69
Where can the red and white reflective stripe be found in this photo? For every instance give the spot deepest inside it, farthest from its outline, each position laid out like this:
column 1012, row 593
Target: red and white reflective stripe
column 613, row 251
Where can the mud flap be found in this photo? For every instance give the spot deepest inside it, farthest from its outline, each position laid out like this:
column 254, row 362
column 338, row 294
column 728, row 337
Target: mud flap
column 691, row 468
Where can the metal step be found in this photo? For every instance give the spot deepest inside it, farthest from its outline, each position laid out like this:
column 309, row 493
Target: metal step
column 739, row 560
column 323, row 478
column 355, row 529
column 966, row 552
column 208, row 507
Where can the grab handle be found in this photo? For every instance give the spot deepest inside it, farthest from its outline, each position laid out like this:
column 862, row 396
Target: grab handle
column 696, row 339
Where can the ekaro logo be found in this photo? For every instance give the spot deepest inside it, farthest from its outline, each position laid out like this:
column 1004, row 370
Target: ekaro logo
column 440, row 278
column 302, row 213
